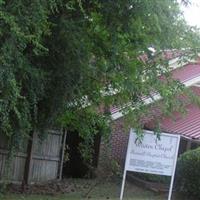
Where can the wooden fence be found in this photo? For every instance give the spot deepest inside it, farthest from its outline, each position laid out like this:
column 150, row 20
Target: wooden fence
column 38, row 161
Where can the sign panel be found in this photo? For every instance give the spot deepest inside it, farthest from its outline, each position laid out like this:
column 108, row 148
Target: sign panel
column 152, row 155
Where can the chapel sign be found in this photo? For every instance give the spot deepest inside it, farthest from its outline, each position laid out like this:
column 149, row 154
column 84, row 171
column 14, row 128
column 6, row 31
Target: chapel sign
column 152, row 155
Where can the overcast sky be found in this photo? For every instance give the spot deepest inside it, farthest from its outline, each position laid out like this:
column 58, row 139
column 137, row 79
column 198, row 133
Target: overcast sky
column 192, row 13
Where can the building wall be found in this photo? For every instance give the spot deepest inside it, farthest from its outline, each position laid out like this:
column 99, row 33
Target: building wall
column 117, row 146
column 115, row 149
column 119, row 141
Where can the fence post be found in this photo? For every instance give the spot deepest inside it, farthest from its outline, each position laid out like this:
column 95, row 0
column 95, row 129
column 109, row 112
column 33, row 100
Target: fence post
column 62, row 154
column 28, row 162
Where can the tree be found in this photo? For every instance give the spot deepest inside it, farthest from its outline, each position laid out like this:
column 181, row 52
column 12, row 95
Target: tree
column 57, row 55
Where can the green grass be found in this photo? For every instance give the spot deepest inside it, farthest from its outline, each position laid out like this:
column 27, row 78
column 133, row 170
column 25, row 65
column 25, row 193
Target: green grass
column 109, row 190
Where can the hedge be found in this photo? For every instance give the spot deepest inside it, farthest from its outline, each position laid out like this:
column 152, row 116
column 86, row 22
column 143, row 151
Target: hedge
column 188, row 173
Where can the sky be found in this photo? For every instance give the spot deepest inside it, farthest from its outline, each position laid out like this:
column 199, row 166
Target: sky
column 192, row 13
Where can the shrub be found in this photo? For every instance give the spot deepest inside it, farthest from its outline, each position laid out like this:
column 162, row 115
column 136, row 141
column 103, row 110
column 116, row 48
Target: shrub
column 188, row 173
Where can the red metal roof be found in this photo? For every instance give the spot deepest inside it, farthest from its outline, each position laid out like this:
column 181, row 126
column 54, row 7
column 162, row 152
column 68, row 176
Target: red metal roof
column 186, row 72
column 183, row 74
column 187, row 125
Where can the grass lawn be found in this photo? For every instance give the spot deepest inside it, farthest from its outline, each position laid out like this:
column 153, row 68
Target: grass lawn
column 109, row 190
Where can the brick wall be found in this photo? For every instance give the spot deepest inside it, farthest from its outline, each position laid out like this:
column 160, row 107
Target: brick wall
column 117, row 146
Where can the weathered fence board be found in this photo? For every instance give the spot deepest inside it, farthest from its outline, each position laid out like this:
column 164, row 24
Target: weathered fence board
column 2, row 164
column 45, row 159
column 17, row 168
column 43, row 170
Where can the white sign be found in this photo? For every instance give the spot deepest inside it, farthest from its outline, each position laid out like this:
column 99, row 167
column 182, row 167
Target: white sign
column 152, row 155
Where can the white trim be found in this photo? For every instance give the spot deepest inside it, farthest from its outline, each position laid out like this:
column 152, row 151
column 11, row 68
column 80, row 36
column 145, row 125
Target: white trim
column 177, row 63
column 117, row 115
column 156, row 97
column 147, row 101
column 197, row 85
column 191, row 82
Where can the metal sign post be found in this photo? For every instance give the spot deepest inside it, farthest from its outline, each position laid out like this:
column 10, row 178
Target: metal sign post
column 124, row 175
column 174, row 169
column 123, row 184
column 152, row 156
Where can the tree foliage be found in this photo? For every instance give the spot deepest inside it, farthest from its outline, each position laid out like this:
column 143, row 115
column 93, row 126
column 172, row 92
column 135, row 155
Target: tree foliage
column 56, row 55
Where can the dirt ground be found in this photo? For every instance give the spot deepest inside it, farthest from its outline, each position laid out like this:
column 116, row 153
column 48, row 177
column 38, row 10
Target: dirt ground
column 77, row 189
